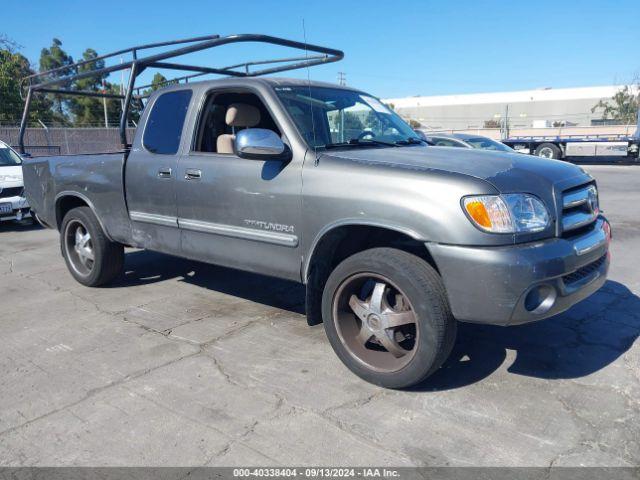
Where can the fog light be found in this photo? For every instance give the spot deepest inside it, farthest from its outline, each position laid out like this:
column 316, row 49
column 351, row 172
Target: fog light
column 540, row 299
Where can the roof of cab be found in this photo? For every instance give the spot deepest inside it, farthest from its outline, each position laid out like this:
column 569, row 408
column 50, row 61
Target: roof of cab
column 270, row 81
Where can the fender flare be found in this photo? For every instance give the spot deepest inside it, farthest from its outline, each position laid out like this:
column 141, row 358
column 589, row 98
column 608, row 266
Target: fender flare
column 360, row 222
column 85, row 199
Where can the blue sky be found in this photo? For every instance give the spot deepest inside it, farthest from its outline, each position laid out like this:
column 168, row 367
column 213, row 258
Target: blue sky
column 394, row 48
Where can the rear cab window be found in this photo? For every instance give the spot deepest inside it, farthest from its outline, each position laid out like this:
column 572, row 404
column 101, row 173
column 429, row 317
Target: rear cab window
column 163, row 130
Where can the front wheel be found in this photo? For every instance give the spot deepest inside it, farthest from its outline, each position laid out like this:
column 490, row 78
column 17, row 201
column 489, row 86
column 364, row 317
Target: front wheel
column 387, row 317
column 91, row 257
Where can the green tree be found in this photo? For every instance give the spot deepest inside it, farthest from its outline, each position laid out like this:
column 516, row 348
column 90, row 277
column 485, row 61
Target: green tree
column 7, row 43
column 13, row 68
column 55, row 57
column 622, row 107
column 114, row 106
column 350, row 121
column 158, row 81
column 372, row 121
column 83, row 110
column 89, row 111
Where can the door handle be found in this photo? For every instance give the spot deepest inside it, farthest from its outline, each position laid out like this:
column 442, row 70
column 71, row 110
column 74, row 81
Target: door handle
column 192, row 174
column 164, row 172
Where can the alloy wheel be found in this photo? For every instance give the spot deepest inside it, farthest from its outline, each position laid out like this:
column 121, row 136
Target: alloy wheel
column 79, row 247
column 375, row 322
column 546, row 152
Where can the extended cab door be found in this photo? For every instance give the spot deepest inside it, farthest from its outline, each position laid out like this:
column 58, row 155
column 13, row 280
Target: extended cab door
column 238, row 212
column 151, row 172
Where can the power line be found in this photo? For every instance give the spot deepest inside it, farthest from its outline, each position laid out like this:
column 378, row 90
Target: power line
column 342, row 78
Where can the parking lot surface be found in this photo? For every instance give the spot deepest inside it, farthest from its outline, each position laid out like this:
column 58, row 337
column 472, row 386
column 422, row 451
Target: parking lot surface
column 186, row 364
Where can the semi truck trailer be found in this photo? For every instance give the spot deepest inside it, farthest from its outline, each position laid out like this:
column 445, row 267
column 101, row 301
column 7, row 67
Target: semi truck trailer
column 585, row 147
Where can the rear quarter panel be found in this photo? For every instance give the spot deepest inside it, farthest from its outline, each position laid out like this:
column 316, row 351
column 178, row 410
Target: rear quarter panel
column 97, row 179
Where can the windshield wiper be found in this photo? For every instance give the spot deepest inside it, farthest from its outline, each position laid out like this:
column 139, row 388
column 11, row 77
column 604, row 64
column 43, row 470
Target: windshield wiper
column 356, row 142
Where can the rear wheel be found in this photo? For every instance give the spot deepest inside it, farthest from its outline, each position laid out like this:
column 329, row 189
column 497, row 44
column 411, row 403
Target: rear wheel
column 548, row 150
column 91, row 257
column 387, row 317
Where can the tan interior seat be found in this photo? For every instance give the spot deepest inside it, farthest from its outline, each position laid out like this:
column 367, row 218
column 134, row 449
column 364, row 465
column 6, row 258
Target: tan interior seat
column 238, row 115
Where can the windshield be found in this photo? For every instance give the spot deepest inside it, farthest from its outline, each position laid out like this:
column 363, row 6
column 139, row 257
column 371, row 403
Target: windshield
column 8, row 158
column 487, row 144
column 334, row 116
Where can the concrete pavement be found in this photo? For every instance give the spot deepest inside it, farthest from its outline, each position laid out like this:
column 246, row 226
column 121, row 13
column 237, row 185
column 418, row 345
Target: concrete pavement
column 185, row 364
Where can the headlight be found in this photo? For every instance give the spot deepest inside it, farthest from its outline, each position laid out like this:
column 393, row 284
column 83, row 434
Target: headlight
column 512, row 213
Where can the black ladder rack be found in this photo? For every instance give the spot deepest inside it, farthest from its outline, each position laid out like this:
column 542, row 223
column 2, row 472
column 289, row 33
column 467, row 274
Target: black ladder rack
column 42, row 82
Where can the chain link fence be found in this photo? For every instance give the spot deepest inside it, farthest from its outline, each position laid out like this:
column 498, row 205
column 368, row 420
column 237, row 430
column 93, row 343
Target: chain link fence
column 66, row 140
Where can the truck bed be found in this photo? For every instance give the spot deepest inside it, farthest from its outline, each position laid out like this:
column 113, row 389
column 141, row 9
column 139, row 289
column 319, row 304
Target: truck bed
column 95, row 179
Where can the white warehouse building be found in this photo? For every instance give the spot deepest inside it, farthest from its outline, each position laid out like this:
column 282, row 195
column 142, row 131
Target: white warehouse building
column 548, row 107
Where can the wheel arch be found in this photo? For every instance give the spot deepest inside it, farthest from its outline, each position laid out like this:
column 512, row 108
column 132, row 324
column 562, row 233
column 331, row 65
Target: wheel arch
column 344, row 226
column 68, row 200
column 342, row 239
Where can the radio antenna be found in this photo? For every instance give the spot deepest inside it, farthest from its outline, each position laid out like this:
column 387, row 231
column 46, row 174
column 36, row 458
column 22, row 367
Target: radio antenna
column 313, row 123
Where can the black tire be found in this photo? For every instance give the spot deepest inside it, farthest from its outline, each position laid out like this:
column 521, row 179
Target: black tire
column 108, row 256
column 548, row 150
column 411, row 276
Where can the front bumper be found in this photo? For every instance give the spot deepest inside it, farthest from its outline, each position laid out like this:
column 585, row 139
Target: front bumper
column 19, row 209
column 522, row 283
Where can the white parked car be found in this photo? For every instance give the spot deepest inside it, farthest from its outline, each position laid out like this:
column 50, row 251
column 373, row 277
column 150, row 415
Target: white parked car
column 13, row 205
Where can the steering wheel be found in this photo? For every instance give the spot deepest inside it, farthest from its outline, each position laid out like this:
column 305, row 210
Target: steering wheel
column 366, row 133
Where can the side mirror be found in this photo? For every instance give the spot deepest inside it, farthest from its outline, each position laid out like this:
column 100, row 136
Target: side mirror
column 260, row 144
column 26, row 155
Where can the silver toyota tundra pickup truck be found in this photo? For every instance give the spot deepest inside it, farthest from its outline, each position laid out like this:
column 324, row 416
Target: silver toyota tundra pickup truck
column 395, row 240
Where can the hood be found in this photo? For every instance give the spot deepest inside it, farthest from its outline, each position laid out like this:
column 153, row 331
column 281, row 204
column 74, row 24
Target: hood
column 10, row 176
column 507, row 172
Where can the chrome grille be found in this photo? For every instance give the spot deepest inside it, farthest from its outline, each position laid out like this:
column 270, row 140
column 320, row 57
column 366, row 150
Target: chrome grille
column 579, row 208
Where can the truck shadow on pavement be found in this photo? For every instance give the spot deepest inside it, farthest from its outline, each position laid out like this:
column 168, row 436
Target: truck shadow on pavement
column 581, row 341
column 142, row 267
column 22, row 226
column 576, row 343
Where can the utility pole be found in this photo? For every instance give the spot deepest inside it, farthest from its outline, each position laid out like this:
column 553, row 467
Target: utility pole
column 504, row 124
column 46, row 132
column 104, row 104
column 342, row 78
